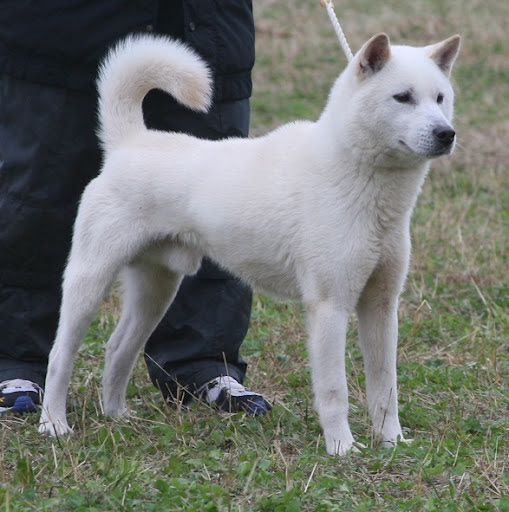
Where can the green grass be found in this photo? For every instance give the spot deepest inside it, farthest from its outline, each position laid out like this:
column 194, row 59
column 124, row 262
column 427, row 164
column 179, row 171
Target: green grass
column 453, row 356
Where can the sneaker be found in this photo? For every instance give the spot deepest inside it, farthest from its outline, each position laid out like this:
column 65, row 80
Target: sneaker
column 20, row 396
column 231, row 396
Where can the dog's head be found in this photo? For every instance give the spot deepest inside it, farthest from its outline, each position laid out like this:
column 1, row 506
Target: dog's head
column 403, row 97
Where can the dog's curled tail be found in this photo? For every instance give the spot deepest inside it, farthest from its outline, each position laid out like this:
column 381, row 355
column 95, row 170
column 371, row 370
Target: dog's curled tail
column 138, row 64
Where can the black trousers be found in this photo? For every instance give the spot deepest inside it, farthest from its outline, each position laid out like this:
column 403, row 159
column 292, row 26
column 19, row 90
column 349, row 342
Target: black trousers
column 48, row 154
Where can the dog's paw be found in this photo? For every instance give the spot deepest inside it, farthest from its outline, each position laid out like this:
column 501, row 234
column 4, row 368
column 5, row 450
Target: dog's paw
column 54, row 429
column 339, row 447
column 118, row 412
column 392, row 444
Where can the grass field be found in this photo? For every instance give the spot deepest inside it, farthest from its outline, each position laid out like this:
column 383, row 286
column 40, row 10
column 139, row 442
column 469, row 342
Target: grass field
column 453, row 356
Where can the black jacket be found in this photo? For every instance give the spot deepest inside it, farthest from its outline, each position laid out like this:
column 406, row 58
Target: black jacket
column 60, row 42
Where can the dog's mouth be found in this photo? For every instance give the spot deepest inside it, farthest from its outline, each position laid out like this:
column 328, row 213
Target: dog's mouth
column 433, row 151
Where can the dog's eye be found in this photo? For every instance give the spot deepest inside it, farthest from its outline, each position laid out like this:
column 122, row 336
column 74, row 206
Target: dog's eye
column 403, row 97
column 440, row 98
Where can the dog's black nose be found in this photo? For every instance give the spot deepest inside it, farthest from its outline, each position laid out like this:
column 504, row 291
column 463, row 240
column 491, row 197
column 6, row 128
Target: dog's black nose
column 444, row 135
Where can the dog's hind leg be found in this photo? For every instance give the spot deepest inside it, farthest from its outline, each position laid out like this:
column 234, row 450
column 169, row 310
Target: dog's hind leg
column 378, row 338
column 327, row 325
column 148, row 291
column 103, row 241
column 83, row 290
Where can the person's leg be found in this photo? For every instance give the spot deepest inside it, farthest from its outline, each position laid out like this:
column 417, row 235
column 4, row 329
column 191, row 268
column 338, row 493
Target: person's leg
column 200, row 336
column 48, row 153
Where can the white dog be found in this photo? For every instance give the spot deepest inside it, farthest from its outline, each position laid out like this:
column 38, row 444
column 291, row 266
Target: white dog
column 314, row 211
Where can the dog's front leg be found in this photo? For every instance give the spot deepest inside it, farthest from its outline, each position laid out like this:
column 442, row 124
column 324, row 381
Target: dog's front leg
column 327, row 325
column 378, row 338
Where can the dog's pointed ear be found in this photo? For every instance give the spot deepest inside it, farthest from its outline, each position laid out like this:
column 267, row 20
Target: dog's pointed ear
column 373, row 55
column 445, row 53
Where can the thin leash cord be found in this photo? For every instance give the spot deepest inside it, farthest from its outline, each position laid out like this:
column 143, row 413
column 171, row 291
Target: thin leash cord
column 337, row 28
